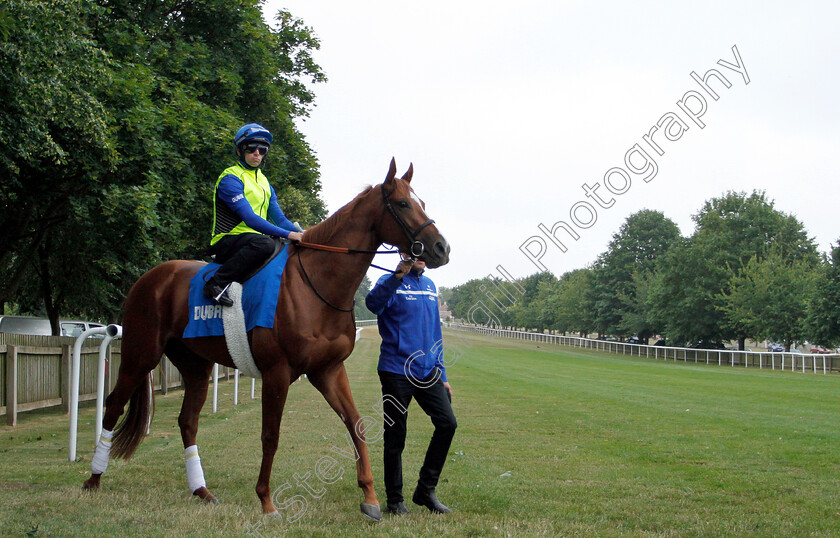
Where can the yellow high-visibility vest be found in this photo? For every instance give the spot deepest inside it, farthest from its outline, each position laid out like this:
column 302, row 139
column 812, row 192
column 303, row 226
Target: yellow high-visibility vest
column 258, row 194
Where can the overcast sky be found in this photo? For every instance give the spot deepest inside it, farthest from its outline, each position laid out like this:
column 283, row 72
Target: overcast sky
column 507, row 112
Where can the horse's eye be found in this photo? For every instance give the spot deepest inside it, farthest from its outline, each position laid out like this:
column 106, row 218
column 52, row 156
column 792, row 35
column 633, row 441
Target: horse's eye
column 403, row 204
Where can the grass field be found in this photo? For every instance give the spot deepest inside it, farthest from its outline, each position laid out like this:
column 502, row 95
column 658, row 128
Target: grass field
column 551, row 441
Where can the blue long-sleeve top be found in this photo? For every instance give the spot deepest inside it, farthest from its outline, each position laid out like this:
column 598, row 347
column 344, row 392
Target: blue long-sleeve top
column 409, row 323
column 232, row 192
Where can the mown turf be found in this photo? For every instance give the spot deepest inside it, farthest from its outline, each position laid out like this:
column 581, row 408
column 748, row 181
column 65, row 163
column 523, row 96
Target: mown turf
column 551, row 441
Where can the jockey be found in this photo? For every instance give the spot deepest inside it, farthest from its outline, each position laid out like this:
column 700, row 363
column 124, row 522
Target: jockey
column 245, row 215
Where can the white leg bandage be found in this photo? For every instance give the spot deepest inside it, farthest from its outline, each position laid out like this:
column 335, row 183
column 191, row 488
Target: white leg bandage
column 102, row 454
column 195, row 475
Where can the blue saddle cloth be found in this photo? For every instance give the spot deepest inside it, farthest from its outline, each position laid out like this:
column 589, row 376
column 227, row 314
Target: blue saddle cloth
column 259, row 300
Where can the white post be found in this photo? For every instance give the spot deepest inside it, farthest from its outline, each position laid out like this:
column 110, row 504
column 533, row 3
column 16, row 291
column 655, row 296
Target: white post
column 215, row 387
column 150, row 396
column 236, row 387
column 111, row 332
column 74, row 388
column 253, row 383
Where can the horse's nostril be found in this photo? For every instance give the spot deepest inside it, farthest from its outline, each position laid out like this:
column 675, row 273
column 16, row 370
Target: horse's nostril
column 441, row 248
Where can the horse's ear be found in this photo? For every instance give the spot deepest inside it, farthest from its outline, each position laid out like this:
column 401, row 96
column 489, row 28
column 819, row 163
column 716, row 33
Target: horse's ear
column 408, row 173
column 392, row 171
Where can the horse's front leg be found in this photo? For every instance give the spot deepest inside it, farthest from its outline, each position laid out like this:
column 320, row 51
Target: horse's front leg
column 335, row 387
column 274, row 391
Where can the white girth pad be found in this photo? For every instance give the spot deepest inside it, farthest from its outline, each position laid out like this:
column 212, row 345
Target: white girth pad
column 236, row 338
column 195, row 474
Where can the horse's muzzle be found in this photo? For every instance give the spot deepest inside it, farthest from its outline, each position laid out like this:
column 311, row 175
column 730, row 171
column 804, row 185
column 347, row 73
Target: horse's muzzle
column 438, row 254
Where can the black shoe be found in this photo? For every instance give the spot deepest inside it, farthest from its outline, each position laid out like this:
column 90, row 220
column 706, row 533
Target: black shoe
column 216, row 293
column 397, row 509
column 430, row 501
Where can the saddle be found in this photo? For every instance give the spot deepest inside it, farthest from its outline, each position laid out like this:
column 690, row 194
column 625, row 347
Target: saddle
column 279, row 243
column 259, row 297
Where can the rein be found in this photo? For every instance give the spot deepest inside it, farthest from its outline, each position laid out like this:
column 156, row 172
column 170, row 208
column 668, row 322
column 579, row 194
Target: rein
column 345, row 250
column 337, row 250
column 417, row 248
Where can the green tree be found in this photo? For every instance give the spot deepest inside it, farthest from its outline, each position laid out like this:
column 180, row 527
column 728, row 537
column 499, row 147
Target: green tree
column 730, row 230
column 119, row 117
column 57, row 131
column 359, row 309
column 636, row 317
column 526, row 311
column 574, row 311
column 823, row 318
column 483, row 302
column 768, row 297
column 629, row 260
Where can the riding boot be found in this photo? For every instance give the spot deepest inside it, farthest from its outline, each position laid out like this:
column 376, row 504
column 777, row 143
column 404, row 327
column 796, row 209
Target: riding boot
column 217, row 292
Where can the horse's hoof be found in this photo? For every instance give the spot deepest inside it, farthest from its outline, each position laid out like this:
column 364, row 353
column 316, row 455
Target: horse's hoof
column 91, row 483
column 372, row 511
column 275, row 514
column 206, row 497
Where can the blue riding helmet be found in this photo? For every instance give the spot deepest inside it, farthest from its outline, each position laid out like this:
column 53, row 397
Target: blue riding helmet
column 252, row 132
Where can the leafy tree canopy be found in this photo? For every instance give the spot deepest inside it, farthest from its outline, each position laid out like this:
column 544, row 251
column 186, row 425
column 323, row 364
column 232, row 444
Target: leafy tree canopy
column 118, row 117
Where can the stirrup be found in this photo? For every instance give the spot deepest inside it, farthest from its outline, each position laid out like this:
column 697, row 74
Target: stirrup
column 218, row 297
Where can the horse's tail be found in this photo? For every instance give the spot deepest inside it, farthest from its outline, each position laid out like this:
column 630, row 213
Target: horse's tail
column 133, row 425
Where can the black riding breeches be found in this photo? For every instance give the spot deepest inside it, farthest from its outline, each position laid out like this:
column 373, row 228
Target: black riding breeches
column 239, row 255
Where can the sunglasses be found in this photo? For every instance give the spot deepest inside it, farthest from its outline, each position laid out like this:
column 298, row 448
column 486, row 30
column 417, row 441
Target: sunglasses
column 259, row 148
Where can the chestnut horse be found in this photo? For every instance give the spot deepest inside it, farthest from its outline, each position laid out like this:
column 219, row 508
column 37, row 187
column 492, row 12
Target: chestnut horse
column 313, row 333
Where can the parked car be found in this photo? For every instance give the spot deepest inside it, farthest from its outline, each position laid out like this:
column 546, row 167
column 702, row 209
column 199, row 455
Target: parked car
column 708, row 345
column 772, row 346
column 75, row 328
column 634, row 340
column 41, row 326
column 820, row 349
column 660, row 342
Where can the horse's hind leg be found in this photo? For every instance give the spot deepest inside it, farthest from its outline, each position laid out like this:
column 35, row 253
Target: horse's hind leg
column 133, row 384
column 195, row 372
column 335, row 387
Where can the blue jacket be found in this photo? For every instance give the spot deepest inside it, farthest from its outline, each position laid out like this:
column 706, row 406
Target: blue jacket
column 409, row 321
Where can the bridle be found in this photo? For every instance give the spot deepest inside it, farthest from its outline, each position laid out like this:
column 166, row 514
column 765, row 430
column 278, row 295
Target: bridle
column 409, row 233
column 416, row 250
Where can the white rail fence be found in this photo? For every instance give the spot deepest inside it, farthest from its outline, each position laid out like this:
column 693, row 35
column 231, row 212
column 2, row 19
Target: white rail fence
column 793, row 361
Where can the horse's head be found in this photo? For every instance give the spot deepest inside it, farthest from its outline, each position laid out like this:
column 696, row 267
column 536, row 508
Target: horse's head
column 406, row 224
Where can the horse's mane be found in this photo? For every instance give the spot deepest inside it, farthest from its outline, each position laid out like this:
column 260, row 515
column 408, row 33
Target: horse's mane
column 324, row 231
